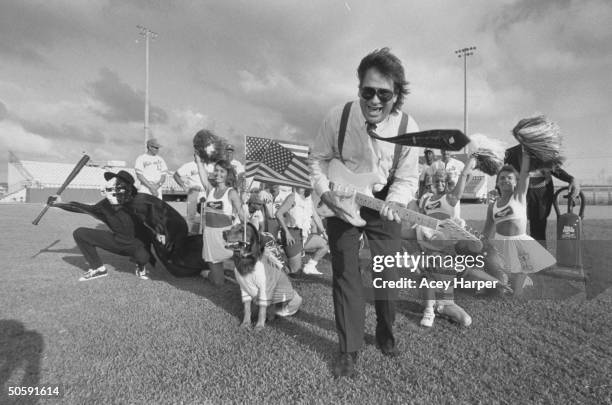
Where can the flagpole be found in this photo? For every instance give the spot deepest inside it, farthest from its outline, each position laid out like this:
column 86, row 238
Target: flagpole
column 244, row 227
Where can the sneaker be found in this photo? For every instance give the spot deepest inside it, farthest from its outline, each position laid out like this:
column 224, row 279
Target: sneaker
column 204, row 273
column 311, row 268
column 94, row 273
column 291, row 307
column 142, row 273
column 428, row 318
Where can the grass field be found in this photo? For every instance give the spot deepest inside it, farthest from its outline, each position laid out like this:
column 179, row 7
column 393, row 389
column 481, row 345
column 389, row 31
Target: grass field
column 123, row 340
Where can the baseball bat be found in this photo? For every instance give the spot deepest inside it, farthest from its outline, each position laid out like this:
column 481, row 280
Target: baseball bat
column 76, row 170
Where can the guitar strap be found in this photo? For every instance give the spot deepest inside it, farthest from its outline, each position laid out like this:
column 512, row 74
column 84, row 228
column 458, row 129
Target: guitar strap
column 396, row 153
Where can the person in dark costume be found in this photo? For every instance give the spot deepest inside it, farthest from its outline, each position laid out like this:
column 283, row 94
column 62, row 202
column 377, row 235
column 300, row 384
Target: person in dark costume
column 137, row 223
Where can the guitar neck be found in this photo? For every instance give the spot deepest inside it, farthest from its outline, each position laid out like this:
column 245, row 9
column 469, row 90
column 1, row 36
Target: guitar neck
column 405, row 214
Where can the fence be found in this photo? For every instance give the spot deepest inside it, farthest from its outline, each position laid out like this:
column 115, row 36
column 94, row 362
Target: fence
column 595, row 195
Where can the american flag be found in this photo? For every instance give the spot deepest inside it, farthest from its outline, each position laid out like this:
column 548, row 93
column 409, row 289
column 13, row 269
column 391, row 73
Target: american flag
column 277, row 162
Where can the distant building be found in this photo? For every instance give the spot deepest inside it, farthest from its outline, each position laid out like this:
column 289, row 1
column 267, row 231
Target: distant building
column 33, row 181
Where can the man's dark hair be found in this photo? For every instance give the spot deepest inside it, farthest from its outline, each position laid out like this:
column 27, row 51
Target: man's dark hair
column 390, row 66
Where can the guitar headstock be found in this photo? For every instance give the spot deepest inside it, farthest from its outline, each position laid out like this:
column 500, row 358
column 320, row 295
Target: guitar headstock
column 454, row 231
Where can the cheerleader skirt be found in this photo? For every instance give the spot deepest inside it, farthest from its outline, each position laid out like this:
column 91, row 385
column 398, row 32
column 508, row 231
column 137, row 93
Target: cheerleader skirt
column 522, row 254
column 213, row 248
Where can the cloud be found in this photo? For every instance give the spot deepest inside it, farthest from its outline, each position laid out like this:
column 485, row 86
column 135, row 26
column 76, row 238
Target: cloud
column 119, row 102
column 62, row 131
column 29, row 143
column 23, row 54
column 3, row 111
column 30, row 30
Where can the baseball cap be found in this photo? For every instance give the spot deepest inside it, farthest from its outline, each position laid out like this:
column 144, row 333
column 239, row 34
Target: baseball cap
column 153, row 142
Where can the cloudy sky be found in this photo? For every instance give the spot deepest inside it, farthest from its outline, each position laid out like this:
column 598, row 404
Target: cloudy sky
column 72, row 73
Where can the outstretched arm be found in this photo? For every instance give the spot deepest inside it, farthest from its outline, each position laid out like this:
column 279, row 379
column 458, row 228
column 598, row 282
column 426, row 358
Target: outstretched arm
column 562, row 175
column 237, row 205
column 203, row 173
column 522, row 184
column 280, row 215
column 489, row 226
column 73, row 206
column 454, row 196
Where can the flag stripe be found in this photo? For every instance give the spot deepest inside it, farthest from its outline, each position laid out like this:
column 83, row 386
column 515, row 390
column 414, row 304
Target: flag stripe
column 296, row 148
column 268, row 174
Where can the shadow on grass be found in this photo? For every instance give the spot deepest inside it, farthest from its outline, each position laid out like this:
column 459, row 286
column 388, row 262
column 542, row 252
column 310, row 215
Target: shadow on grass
column 20, row 353
column 227, row 298
column 119, row 263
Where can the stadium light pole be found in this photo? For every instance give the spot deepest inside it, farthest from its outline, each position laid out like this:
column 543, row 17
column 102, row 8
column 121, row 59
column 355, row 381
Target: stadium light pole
column 148, row 35
column 464, row 53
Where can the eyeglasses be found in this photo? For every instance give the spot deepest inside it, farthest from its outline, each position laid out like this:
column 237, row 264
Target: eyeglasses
column 153, row 147
column 384, row 95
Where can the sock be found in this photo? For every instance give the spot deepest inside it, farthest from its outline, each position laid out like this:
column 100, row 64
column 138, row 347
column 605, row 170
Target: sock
column 429, row 306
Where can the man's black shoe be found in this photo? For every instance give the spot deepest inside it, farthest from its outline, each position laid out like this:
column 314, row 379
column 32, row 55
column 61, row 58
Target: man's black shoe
column 388, row 348
column 345, row 365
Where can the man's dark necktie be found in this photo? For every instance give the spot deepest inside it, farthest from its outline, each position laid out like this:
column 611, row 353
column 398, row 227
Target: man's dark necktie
column 370, row 127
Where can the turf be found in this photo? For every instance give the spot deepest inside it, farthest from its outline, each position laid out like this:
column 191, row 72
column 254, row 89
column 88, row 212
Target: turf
column 168, row 340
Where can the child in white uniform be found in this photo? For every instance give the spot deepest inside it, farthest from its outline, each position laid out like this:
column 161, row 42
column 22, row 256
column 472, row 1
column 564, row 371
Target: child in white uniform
column 443, row 204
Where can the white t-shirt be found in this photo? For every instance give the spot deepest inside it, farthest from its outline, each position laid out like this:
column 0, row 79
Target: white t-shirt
column 190, row 176
column 151, row 167
column 259, row 284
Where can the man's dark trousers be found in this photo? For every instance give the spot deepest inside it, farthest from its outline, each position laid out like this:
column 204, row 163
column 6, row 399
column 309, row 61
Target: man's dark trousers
column 348, row 289
column 539, row 204
column 88, row 240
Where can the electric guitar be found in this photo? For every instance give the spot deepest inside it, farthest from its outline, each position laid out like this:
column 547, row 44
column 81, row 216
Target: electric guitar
column 359, row 194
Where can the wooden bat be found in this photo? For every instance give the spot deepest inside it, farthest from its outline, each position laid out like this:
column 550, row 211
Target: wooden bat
column 71, row 176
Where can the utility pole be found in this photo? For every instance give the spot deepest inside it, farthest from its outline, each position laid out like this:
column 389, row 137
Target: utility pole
column 148, row 35
column 464, row 53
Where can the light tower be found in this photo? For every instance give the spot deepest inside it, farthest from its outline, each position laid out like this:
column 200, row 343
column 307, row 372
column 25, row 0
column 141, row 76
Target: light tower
column 464, row 53
column 149, row 36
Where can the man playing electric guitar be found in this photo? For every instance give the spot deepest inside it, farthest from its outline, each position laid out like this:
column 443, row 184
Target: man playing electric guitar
column 350, row 134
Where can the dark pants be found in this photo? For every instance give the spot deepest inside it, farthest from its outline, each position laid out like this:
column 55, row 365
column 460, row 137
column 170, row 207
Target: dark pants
column 273, row 227
column 539, row 203
column 348, row 289
column 88, row 240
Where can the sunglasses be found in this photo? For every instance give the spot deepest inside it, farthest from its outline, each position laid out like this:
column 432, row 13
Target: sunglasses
column 115, row 189
column 384, row 95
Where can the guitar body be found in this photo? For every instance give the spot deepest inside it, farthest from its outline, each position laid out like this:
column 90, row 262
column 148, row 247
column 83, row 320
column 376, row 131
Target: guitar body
column 339, row 175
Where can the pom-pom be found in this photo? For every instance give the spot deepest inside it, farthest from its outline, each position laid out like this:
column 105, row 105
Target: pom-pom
column 210, row 147
column 541, row 138
column 489, row 153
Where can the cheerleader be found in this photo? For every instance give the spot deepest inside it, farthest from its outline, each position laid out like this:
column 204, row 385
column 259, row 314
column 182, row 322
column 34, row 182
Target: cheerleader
column 442, row 204
column 506, row 227
column 223, row 208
